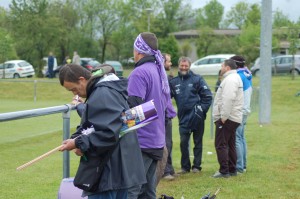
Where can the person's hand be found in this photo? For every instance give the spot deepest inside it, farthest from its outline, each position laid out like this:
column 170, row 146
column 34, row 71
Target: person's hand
column 68, row 144
column 78, row 152
column 77, row 100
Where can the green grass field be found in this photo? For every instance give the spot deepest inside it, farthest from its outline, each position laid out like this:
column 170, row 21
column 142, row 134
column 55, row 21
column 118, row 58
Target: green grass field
column 273, row 149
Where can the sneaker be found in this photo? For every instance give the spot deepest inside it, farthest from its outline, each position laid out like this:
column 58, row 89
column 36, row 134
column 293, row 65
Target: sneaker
column 195, row 170
column 182, row 171
column 220, row 175
column 169, row 177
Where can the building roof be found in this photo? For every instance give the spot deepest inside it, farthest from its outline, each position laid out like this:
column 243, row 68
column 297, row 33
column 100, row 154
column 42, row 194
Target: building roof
column 195, row 33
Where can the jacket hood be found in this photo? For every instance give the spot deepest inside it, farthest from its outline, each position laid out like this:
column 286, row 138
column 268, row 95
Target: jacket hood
column 246, row 72
column 111, row 81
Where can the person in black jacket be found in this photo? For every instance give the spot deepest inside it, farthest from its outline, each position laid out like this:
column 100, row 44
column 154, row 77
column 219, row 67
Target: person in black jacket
column 105, row 101
column 193, row 98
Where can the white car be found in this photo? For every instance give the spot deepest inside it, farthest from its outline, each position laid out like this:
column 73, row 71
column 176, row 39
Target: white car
column 209, row 65
column 16, row 69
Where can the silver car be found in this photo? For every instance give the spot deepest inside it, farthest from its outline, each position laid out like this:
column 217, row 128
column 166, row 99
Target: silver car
column 16, row 69
column 280, row 64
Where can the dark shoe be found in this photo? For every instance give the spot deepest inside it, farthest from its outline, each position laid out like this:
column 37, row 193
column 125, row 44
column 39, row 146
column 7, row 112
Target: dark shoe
column 233, row 174
column 168, row 177
column 220, row 175
column 182, row 171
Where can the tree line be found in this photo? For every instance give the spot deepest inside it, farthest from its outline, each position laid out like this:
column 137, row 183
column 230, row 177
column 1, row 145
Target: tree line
column 106, row 29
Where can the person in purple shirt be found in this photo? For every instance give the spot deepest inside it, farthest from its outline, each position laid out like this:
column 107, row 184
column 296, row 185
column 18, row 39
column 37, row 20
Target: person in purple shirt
column 149, row 81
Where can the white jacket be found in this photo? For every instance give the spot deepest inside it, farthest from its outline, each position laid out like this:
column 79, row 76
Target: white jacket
column 229, row 99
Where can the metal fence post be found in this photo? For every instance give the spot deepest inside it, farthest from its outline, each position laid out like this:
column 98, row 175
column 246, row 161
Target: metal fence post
column 34, row 90
column 66, row 135
column 211, row 119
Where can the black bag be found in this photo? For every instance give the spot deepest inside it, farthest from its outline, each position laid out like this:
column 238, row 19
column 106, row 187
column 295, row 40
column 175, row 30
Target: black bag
column 89, row 172
column 196, row 117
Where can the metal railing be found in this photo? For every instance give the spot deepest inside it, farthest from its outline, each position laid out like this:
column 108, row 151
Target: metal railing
column 66, row 113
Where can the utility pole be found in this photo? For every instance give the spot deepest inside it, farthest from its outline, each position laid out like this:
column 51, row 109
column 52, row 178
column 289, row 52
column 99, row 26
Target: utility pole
column 149, row 10
column 265, row 94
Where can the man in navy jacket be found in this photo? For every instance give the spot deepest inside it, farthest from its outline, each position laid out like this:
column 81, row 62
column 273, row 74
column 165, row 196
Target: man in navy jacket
column 193, row 98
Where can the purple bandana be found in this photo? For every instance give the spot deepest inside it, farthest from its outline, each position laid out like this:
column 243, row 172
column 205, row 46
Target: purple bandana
column 141, row 46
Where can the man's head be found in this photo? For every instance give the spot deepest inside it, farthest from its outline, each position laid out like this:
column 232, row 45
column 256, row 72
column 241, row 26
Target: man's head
column 74, row 78
column 239, row 61
column 168, row 63
column 144, row 44
column 184, row 64
column 228, row 65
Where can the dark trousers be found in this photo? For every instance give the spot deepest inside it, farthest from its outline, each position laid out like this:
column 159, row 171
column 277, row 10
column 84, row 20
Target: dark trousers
column 225, row 145
column 169, row 144
column 185, row 135
column 148, row 190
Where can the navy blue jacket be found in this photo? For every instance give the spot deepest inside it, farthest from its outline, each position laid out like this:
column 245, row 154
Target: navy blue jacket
column 189, row 91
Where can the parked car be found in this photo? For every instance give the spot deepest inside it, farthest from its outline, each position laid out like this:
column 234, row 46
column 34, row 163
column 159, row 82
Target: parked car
column 117, row 66
column 16, row 69
column 209, row 65
column 89, row 63
column 56, row 68
column 128, row 62
column 280, row 64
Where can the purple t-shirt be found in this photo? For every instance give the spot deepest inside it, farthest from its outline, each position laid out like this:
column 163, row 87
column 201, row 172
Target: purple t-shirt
column 145, row 82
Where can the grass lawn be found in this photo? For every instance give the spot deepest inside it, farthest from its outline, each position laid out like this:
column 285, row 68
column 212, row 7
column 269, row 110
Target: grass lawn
column 273, row 149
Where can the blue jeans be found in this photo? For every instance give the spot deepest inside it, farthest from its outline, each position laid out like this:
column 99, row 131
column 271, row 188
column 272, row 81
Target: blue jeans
column 198, row 147
column 148, row 190
column 241, row 146
column 116, row 194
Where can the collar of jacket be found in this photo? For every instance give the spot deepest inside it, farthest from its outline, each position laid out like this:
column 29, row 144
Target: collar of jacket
column 150, row 58
column 229, row 72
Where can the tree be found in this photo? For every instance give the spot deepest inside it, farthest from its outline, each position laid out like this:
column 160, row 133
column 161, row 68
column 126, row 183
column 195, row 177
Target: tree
column 238, row 14
column 204, row 41
column 166, row 22
column 211, row 15
column 169, row 45
column 293, row 38
column 249, row 42
column 280, row 20
column 254, row 15
column 36, row 31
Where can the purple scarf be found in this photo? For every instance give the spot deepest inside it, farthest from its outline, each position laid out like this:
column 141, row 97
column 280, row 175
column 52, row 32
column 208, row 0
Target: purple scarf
column 141, row 46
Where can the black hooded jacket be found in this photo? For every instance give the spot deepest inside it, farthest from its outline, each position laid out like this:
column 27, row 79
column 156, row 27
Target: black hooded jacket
column 105, row 103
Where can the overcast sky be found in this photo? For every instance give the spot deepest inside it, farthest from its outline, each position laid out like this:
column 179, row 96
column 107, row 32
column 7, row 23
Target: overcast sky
column 289, row 8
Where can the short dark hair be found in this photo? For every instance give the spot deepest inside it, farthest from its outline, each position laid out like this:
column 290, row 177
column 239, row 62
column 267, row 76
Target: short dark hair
column 184, row 59
column 165, row 56
column 230, row 63
column 150, row 39
column 72, row 72
column 239, row 61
